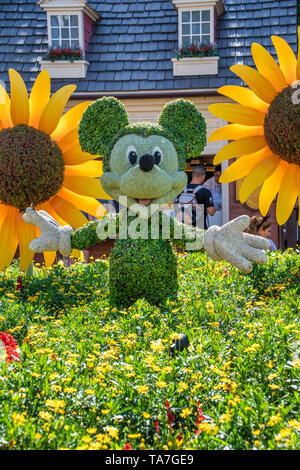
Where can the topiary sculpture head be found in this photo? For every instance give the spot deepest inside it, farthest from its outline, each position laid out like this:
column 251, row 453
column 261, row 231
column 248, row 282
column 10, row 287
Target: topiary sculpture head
column 143, row 161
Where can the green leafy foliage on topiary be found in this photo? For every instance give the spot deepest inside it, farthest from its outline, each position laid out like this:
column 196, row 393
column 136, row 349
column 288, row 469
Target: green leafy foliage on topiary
column 186, row 123
column 142, row 269
column 139, row 268
column 85, row 236
column 31, row 166
column 100, row 123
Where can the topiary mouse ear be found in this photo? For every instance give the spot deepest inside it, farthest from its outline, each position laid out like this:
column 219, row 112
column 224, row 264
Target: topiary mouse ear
column 182, row 118
column 99, row 124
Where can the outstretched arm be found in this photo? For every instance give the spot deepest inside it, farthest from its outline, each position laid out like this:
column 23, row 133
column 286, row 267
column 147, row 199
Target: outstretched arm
column 228, row 242
column 64, row 239
column 186, row 236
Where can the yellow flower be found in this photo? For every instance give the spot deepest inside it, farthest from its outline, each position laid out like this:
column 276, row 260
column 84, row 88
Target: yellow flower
column 45, row 415
column 19, row 419
column 274, row 420
column 157, row 346
column 161, row 384
column 266, row 110
column 146, row 415
column 91, row 430
column 142, row 389
column 133, row 436
column 112, row 432
column 105, row 412
column 283, row 434
column 256, row 432
column 182, row 386
column 225, row 418
column 294, row 424
column 185, row 412
column 86, row 439
column 71, row 184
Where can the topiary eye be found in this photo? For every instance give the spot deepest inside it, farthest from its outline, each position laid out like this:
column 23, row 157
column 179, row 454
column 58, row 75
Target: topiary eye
column 132, row 155
column 157, row 154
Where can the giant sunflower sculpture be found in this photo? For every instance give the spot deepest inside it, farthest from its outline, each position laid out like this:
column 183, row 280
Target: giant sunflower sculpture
column 265, row 129
column 41, row 163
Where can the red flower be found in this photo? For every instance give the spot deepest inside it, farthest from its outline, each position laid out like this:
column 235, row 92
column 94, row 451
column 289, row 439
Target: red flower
column 157, row 427
column 171, row 417
column 200, row 415
column 10, row 345
column 225, row 272
column 179, row 437
column 127, row 446
column 20, row 286
column 54, row 357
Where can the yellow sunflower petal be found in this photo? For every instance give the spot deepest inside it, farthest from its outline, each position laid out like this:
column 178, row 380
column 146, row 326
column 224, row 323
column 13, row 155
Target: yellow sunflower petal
column 287, row 194
column 92, row 168
column 240, row 147
column 257, row 176
column 287, row 59
column 49, row 257
column 26, row 233
column 235, row 131
column 54, row 108
column 67, row 211
column 298, row 189
column 256, row 81
column 238, row 114
column 75, row 156
column 243, row 96
column 75, row 253
column 8, row 237
column 48, row 208
column 298, row 64
column 39, row 97
column 3, row 212
column 87, row 204
column 271, row 187
column 85, row 186
column 19, row 106
column 69, row 141
column 242, row 167
column 5, row 116
column 69, row 121
column 267, row 66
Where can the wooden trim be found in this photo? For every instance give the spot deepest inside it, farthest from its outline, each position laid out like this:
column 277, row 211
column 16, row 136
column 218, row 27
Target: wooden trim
column 145, row 94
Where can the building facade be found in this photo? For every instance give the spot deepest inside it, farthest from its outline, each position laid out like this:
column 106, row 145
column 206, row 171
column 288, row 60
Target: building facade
column 128, row 49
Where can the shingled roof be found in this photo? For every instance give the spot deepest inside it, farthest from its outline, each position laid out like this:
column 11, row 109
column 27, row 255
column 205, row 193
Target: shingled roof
column 133, row 42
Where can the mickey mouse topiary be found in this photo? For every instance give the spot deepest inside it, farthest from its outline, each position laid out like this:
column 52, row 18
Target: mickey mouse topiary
column 144, row 165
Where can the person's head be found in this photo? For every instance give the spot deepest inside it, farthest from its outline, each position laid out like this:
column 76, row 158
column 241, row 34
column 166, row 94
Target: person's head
column 217, row 173
column 198, row 175
column 260, row 226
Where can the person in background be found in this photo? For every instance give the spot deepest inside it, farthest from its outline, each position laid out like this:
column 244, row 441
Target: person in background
column 261, row 226
column 203, row 195
column 216, row 190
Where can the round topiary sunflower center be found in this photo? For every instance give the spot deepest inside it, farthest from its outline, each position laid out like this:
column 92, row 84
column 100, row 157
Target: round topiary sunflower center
column 282, row 126
column 31, row 167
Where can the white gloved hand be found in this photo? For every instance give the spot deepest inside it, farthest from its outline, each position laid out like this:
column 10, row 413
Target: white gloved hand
column 231, row 244
column 53, row 237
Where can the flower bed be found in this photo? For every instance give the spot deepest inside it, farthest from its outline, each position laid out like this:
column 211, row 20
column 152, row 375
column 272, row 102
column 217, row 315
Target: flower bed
column 56, row 53
column 94, row 377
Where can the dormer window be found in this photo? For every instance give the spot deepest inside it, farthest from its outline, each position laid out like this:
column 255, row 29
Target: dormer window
column 196, row 27
column 64, row 31
column 196, row 37
column 69, row 25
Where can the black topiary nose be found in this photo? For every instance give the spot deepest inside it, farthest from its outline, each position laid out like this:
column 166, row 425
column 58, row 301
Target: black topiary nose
column 146, row 162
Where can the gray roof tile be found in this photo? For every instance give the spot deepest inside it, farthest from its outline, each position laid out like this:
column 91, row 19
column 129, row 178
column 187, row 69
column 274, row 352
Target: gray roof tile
column 132, row 44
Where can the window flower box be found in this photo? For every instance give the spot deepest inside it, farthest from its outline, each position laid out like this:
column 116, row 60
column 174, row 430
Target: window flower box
column 195, row 66
column 65, row 68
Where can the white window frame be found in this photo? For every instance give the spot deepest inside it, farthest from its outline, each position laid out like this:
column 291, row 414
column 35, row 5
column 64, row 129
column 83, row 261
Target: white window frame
column 69, row 13
column 188, row 9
